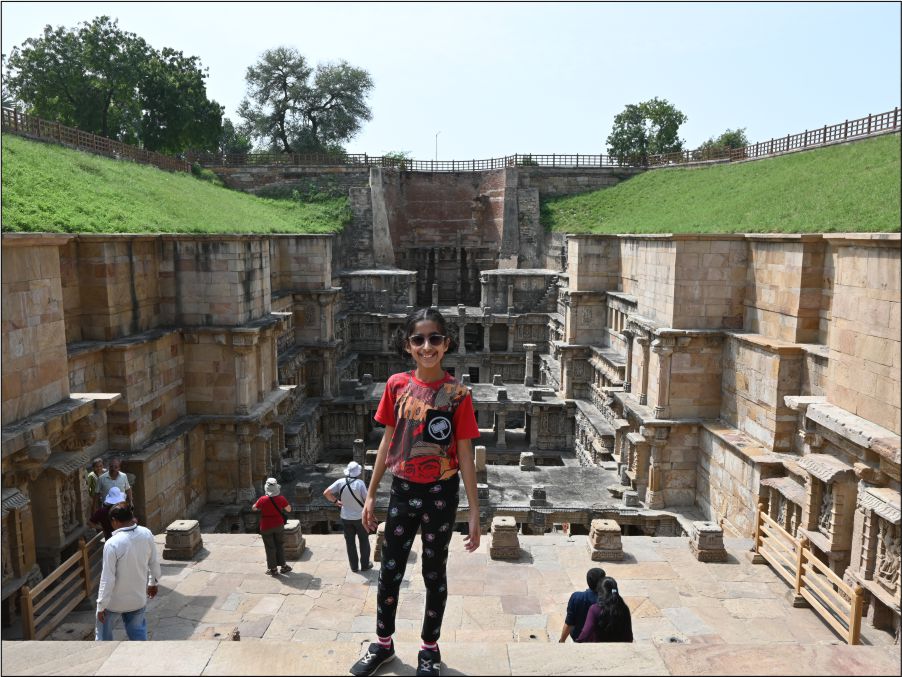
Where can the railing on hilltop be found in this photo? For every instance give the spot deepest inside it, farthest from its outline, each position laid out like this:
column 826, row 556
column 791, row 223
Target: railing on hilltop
column 36, row 128
column 27, row 125
column 813, row 138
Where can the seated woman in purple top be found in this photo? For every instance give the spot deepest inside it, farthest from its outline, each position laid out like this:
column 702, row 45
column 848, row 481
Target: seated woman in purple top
column 609, row 619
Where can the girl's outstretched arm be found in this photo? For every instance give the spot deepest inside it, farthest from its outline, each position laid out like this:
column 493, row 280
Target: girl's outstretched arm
column 369, row 505
column 468, row 471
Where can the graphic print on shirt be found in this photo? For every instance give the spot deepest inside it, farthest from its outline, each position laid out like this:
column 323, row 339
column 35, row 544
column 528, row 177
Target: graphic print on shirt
column 424, row 460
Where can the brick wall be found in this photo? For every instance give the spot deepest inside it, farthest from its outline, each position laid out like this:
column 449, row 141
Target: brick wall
column 864, row 336
column 34, row 329
column 785, row 281
column 757, row 374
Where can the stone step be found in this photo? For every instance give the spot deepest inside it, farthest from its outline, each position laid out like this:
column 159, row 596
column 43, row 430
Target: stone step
column 262, row 657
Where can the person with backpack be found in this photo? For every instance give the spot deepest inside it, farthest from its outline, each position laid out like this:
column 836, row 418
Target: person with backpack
column 273, row 509
column 349, row 493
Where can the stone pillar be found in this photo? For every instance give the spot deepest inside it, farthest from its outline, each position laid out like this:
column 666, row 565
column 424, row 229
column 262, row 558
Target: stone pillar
column 510, row 299
column 530, row 350
column 511, row 328
column 643, row 369
column 380, row 540
column 534, row 428
column 505, row 543
column 664, row 349
column 328, row 372
column 244, row 397
column 461, row 328
column 412, row 293
column 358, row 454
column 435, row 295
column 294, row 540
column 706, row 542
column 245, row 490
column 383, row 324
column 480, row 458
column 500, row 423
column 654, row 497
column 627, row 376
column 603, row 542
column 486, row 336
column 183, row 540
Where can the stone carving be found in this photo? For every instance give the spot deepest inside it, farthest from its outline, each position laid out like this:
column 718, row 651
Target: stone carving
column 6, row 556
column 68, row 505
column 887, row 569
column 825, row 521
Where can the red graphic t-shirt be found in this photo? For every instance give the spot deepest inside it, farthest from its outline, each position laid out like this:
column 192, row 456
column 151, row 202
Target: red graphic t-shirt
column 414, row 454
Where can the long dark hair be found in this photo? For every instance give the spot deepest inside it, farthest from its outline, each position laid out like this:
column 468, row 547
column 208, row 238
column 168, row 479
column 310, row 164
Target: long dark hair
column 615, row 614
column 423, row 314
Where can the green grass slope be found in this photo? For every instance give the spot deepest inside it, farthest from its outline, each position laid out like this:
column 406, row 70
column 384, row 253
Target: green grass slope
column 48, row 188
column 847, row 188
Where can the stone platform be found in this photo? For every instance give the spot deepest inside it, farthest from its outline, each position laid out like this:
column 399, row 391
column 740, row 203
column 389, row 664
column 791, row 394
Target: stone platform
column 502, row 618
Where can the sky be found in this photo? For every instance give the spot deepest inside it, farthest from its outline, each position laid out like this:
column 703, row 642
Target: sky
column 481, row 80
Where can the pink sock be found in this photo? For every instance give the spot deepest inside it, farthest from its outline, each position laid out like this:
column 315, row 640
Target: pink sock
column 429, row 646
column 384, row 641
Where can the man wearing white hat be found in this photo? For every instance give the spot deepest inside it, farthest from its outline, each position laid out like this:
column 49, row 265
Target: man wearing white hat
column 349, row 493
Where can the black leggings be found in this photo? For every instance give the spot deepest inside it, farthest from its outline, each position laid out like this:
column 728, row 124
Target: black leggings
column 412, row 505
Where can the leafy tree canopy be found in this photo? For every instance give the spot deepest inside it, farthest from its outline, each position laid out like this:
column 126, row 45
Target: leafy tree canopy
column 716, row 147
column 647, row 128
column 233, row 139
column 104, row 80
column 292, row 107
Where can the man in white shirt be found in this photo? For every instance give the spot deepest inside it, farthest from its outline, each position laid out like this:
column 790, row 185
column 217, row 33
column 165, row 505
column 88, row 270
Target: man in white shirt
column 130, row 572
column 113, row 478
column 349, row 493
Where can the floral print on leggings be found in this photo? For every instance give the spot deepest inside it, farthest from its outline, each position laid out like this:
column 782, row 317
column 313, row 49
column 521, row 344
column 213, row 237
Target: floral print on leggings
column 433, row 509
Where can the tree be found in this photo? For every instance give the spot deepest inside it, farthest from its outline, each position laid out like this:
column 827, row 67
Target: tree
column 233, row 140
column 292, row 107
column 647, row 128
column 111, row 82
column 718, row 147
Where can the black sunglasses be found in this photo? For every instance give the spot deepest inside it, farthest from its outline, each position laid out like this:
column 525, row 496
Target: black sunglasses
column 417, row 340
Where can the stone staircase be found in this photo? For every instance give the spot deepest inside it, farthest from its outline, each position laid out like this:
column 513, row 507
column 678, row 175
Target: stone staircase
column 659, row 657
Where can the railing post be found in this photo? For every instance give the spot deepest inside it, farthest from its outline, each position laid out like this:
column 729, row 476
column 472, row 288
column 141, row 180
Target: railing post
column 756, row 546
column 806, row 139
column 855, row 618
column 553, row 160
column 27, row 614
column 869, row 123
column 800, row 562
column 895, row 116
column 86, row 562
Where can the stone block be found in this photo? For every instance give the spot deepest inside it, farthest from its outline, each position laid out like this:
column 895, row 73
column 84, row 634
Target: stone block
column 706, row 542
column 604, row 543
column 539, row 497
column 380, row 540
column 527, row 461
column 630, row 498
column 480, row 458
column 294, row 540
column 505, row 542
column 302, row 493
column 183, row 539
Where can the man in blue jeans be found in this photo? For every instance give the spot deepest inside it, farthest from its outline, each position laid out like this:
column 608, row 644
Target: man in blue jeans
column 130, row 572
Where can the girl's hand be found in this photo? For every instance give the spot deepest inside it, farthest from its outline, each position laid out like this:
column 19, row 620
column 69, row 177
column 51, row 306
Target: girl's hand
column 369, row 515
column 471, row 540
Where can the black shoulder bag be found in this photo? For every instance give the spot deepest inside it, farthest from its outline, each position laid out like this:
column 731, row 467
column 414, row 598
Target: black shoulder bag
column 348, row 487
column 281, row 512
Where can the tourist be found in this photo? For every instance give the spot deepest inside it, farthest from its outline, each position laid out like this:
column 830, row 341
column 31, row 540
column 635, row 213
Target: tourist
column 101, row 517
column 130, row 572
column 579, row 604
column 608, row 619
column 113, row 478
column 427, row 446
column 97, row 470
column 273, row 508
column 351, row 493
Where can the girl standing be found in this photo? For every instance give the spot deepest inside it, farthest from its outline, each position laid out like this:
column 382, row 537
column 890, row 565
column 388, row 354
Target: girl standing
column 427, row 446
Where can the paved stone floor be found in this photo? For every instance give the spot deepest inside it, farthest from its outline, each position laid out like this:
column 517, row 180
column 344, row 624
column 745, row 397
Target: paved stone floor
column 502, row 617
